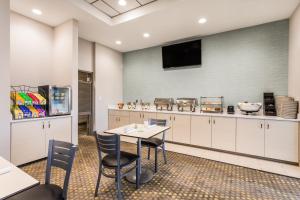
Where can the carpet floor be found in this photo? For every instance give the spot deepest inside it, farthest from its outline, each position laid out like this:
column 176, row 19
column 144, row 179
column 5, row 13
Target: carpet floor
column 184, row 177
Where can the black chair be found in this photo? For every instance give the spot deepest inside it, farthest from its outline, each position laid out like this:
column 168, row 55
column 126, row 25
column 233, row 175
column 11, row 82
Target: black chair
column 156, row 142
column 114, row 160
column 61, row 155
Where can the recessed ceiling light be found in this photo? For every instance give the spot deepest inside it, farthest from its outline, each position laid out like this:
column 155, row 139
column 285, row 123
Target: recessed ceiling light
column 36, row 11
column 118, row 42
column 122, row 2
column 146, row 35
column 202, row 21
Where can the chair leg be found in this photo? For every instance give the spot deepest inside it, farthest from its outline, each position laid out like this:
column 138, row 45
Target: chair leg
column 98, row 181
column 164, row 153
column 118, row 183
column 155, row 168
column 149, row 152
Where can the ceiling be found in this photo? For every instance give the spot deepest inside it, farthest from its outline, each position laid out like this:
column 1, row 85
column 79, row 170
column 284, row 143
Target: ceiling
column 164, row 20
column 112, row 8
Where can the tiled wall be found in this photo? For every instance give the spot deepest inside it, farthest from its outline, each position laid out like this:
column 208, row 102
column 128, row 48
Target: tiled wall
column 239, row 65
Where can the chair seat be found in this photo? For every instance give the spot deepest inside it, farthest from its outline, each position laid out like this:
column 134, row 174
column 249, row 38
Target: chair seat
column 153, row 142
column 40, row 192
column 125, row 159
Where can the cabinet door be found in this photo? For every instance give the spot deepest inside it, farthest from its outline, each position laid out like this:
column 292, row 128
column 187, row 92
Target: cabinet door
column 168, row 117
column 201, row 131
column 281, row 140
column 135, row 117
column 148, row 115
column 223, row 133
column 250, row 137
column 123, row 120
column 27, row 142
column 182, row 129
column 58, row 129
column 113, row 121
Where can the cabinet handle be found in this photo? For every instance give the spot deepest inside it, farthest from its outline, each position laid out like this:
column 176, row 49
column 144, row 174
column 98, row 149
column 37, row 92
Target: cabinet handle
column 143, row 115
column 174, row 118
column 170, row 118
column 49, row 125
column 268, row 126
column 209, row 121
column 140, row 115
column 214, row 121
column 43, row 125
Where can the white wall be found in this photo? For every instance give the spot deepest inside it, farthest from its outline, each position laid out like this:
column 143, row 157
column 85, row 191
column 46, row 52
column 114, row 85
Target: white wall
column 4, row 79
column 108, row 83
column 65, row 65
column 294, row 56
column 31, row 51
column 85, row 55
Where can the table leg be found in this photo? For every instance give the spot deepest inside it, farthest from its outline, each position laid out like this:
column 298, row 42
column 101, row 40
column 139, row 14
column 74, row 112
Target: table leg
column 145, row 174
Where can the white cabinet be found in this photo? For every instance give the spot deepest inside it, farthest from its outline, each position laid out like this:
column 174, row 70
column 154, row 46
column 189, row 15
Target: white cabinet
column 281, row 140
column 223, row 133
column 201, row 131
column 117, row 119
column 30, row 139
column 58, row 129
column 182, row 129
column 140, row 117
column 250, row 137
column 135, row 117
column 168, row 118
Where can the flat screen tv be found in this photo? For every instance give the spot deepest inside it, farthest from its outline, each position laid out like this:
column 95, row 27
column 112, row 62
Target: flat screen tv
column 182, row 54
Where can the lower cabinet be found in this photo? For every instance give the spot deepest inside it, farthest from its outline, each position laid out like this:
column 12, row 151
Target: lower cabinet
column 250, row 137
column 181, row 127
column 223, row 133
column 168, row 117
column 281, row 140
column 117, row 119
column 28, row 142
column 29, row 139
column 58, row 129
column 201, row 131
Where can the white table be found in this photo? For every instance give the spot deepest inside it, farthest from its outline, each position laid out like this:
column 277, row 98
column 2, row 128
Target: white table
column 14, row 180
column 139, row 131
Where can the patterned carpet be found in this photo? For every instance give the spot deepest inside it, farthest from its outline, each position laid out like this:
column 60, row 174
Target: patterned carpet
column 184, row 177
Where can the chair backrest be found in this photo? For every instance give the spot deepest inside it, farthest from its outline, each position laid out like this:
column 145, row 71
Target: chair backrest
column 61, row 155
column 108, row 144
column 158, row 122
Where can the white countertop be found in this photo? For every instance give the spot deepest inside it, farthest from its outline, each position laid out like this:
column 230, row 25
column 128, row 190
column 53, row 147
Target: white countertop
column 37, row 119
column 13, row 179
column 238, row 114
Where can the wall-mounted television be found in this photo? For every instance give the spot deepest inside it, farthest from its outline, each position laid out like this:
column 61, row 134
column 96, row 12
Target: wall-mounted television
column 182, row 54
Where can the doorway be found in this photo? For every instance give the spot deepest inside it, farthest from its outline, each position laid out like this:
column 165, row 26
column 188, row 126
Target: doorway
column 85, row 102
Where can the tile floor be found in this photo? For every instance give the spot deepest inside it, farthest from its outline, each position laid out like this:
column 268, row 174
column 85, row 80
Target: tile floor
column 184, row 177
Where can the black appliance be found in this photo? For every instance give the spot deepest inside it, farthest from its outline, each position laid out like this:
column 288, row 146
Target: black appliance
column 182, row 54
column 269, row 104
column 230, row 110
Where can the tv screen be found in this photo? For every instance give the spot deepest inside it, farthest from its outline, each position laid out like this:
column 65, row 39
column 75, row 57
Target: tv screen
column 183, row 54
